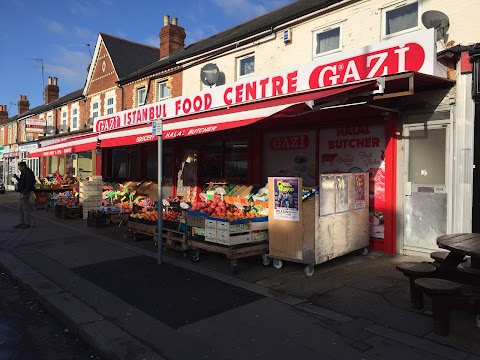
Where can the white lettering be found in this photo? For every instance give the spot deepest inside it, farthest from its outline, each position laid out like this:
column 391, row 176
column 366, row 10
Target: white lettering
column 401, row 57
column 381, row 60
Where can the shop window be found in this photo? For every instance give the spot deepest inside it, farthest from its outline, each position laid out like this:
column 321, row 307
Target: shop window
column 52, row 165
column 141, row 96
column 327, row 41
column 211, row 164
column 119, row 163
column 134, row 163
column 246, row 66
column 399, row 19
column 162, row 91
column 236, row 161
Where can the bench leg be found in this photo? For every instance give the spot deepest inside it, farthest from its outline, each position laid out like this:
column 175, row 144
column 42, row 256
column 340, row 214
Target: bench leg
column 416, row 294
column 441, row 314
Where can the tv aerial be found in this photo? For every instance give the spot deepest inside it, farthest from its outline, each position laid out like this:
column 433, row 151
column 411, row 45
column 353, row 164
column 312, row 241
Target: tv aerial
column 437, row 20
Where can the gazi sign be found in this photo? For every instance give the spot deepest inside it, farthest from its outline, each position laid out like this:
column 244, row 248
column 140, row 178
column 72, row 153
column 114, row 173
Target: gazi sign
column 412, row 52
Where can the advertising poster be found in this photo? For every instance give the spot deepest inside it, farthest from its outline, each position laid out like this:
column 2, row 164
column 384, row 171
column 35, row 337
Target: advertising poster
column 287, row 195
column 327, row 195
column 290, row 154
column 358, row 148
column 342, row 194
column 359, row 191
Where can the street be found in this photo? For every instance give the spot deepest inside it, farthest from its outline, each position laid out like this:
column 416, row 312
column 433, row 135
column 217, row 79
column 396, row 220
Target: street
column 27, row 330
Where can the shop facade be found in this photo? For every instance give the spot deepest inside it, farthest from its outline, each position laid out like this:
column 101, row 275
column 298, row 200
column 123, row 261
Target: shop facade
column 303, row 121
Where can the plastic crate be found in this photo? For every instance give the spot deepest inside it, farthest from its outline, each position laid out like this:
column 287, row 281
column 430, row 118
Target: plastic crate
column 96, row 219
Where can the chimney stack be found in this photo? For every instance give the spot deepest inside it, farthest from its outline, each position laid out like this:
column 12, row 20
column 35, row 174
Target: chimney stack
column 51, row 90
column 23, row 104
column 3, row 114
column 172, row 37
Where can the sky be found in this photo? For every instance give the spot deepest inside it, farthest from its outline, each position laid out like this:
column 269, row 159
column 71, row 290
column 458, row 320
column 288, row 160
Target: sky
column 61, row 35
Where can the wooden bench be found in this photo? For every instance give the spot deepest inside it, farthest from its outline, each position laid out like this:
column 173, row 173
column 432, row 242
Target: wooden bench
column 445, row 295
column 440, row 256
column 415, row 271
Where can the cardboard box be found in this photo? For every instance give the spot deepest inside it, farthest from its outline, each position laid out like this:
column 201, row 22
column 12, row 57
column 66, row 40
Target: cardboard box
column 229, row 240
column 210, row 224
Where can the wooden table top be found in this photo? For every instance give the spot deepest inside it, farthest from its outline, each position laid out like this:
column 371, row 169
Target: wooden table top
column 464, row 244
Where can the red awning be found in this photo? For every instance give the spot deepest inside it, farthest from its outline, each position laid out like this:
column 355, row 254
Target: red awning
column 69, row 146
column 230, row 117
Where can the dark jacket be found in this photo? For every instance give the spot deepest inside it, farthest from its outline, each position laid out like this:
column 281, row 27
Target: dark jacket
column 26, row 182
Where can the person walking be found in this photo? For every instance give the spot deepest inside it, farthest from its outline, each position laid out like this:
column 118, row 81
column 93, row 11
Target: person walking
column 26, row 184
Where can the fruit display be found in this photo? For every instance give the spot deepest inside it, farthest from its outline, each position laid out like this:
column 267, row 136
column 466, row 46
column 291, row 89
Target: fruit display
column 147, row 217
column 66, row 198
column 219, row 209
column 62, row 180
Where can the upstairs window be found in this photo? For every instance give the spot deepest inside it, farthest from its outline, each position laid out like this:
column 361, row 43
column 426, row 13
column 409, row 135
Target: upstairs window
column 110, row 106
column 75, row 118
column 162, row 91
column 399, row 19
column 327, row 41
column 246, row 66
column 141, row 96
column 95, row 110
column 64, row 118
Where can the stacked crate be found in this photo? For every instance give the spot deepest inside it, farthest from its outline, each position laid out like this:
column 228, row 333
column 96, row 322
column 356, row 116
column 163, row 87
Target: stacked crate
column 90, row 194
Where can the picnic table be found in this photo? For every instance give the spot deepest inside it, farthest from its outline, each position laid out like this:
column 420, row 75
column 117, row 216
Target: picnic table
column 460, row 245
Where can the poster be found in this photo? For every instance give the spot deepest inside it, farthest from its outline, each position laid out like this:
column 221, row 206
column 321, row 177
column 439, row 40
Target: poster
column 327, row 195
column 341, row 204
column 359, row 191
column 291, row 154
column 358, row 148
column 287, row 196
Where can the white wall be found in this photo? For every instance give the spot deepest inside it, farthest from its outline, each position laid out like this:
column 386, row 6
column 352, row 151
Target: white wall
column 361, row 24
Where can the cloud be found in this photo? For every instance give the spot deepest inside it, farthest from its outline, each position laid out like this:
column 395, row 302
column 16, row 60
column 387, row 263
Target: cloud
column 84, row 33
column 200, row 33
column 152, row 41
column 248, row 9
column 69, row 66
column 53, row 25
column 84, row 8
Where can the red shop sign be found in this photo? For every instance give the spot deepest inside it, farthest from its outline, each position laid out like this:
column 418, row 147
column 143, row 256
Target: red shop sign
column 289, row 142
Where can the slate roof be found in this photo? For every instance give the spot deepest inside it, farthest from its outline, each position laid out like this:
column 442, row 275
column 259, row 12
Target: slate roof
column 77, row 94
column 128, row 56
column 236, row 34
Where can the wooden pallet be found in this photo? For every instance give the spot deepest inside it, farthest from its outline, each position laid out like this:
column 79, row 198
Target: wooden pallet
column 175, row 240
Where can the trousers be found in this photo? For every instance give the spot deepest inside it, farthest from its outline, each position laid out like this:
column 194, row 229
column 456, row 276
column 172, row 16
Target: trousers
column 24, row 210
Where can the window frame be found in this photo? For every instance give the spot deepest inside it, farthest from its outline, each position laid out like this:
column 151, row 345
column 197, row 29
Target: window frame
column 137, row 97
column 159, row 83
column 110, row 107
column 75, row 116
column 238, row 62
column 324, row 30
column 398, row 5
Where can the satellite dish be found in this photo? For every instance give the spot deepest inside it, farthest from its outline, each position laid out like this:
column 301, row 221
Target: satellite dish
column 50, row 130
column 437, row 20
column 209, row 74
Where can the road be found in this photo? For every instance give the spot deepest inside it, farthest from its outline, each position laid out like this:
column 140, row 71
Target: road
column 27, row 331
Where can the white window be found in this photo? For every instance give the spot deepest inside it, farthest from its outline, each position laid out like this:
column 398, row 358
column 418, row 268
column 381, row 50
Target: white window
column 141, row 96
column 246, row 65
column 162, row 91
column 94, row 110
column 110, row 106
column 327, row 41
column 399, row 19
column 75, row 118
column 49, row 120
column 64, row 118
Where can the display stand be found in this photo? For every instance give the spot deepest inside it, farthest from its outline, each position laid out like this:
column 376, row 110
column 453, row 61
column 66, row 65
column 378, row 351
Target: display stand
column 327, row 225
column 201, row 229
column 138, row 228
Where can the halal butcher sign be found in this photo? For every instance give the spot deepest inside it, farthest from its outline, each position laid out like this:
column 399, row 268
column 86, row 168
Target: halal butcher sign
column 412, row 52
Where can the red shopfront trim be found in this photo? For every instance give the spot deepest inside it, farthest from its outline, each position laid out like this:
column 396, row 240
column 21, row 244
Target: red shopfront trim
column 68, row 146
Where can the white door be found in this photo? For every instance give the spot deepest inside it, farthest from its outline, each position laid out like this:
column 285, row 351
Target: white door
column 426, row 186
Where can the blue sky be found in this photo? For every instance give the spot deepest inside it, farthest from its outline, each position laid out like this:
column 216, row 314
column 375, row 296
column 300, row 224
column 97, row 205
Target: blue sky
column 58, row 31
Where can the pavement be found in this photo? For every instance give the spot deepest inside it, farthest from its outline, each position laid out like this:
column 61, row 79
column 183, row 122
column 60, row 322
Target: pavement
column 110, row 291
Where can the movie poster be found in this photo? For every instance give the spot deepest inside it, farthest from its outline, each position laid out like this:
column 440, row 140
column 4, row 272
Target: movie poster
column 287, row 196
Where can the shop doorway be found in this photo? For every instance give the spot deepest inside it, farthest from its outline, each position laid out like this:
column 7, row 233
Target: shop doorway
column 426, row 206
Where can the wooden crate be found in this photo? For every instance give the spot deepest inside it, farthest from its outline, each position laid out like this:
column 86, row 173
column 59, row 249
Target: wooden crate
column 175, row 240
